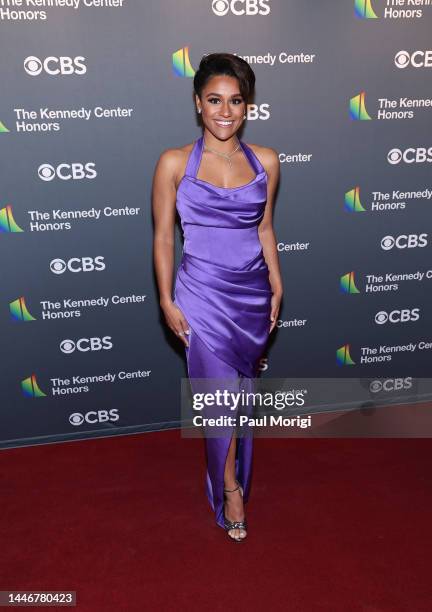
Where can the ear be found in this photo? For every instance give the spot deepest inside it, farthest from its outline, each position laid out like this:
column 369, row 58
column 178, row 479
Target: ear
column 197, row 100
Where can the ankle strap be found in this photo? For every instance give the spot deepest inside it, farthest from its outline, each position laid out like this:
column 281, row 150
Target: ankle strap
column 232, row 490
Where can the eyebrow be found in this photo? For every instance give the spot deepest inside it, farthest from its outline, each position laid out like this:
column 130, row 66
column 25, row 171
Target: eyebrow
column 214, row 93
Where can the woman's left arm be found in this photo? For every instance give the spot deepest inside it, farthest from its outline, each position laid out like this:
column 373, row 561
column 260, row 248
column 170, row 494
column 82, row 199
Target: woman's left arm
column 270, row 161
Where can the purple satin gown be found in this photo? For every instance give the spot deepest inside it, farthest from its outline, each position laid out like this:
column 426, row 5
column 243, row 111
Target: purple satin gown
column 222, row 287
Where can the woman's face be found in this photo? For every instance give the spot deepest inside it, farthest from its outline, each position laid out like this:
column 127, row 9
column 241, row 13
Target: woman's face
column 222, row 106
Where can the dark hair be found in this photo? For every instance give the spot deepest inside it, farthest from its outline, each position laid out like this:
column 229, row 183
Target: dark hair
column 216, row 64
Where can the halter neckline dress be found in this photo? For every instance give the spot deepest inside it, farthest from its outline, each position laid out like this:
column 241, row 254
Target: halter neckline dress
column 222, row 287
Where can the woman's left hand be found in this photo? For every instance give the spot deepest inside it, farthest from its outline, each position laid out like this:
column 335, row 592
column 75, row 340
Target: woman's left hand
column 275, row 306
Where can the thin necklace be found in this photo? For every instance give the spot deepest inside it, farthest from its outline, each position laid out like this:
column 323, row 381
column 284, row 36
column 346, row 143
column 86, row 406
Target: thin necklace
column 227, row 156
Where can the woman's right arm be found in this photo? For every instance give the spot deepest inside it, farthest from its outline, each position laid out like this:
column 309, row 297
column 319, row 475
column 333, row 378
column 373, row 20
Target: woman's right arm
column 164, row 195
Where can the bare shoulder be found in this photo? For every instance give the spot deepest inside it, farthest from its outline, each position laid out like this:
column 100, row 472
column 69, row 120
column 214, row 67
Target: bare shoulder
column 268, row 157
column 172, row 162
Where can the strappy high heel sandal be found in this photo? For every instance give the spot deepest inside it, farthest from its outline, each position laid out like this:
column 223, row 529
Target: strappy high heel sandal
column 235, row 524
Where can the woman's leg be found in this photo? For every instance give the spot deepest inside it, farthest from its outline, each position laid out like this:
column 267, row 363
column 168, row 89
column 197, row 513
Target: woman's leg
column 229, row 459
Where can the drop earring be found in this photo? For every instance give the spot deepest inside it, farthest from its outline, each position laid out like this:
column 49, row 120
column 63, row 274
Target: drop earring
column 198, row 111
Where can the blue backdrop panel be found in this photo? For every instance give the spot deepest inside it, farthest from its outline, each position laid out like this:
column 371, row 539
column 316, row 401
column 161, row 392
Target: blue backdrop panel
column 97, row 90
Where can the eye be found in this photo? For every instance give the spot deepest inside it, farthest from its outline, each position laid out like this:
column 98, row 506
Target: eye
column 236, row 101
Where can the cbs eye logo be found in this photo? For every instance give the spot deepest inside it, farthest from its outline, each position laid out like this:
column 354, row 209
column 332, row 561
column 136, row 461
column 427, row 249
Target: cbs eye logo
column 394, row 156
column 397, row 316
column 402, row 59
column 94, row 416
column 240, row 7
column 55, row 66
column 86, row 344
column 410, row 155
column 220, row 7
column 78, row 264
column 75, row 171
column 46, row 172
column 417, row 59
column 404, row 241
column 391, row 384
column 58, row 266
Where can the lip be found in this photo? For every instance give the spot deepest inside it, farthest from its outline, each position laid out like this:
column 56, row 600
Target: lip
column 221, row 122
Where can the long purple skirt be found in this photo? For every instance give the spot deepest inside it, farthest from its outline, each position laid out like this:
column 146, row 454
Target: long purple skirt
column 203, row 363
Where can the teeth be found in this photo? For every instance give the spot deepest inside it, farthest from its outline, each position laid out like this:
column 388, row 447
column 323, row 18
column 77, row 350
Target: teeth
column 224, row 122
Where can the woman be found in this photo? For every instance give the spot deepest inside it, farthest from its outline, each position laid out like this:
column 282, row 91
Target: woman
column 228, row 287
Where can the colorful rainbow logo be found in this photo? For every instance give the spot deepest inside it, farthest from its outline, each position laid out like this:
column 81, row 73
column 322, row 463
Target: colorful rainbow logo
column 364, row 10
column 347, row 283
column 3, row 128
column 19, row 310
column 343, row 356
column 7, row 222
column 352, row 200
column 357, row 108
column 30, row 387
column 181, row 64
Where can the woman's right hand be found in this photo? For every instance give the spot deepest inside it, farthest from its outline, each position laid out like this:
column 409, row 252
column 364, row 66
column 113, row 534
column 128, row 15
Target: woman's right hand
column 176, row 321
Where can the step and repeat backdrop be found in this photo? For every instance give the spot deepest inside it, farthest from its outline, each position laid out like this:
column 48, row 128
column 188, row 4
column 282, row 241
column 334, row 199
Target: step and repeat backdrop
column 94, row 90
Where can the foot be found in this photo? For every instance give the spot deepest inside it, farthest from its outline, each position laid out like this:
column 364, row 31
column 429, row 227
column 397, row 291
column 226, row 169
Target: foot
column 234, row 509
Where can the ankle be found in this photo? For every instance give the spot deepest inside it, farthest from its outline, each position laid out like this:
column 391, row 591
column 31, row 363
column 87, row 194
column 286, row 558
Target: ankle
column 231, row 485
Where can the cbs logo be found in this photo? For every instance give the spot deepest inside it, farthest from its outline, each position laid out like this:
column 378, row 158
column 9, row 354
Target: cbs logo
column 78, row 264
column 397, row 316
column 94, row 416
column 410, row 155
column 240, row 7
column 417, row 59
column 263, row 364
column 75, row 171
column 253, row 112
column 404, row 241
column 391, row 384
column 55, row 65
column 86, row 344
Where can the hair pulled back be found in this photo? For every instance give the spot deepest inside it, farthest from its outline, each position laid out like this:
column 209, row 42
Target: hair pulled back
column 216, row 64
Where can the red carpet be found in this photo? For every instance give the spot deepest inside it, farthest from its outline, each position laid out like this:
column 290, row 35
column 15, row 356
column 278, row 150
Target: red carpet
column 335, row 525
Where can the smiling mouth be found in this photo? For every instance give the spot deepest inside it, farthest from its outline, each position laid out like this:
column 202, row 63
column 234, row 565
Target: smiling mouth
column 224, row 123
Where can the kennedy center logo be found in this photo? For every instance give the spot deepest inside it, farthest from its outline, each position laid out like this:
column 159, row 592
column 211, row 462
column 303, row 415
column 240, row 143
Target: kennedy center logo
column 181, row 64
column 357, row 108
column 363, row 9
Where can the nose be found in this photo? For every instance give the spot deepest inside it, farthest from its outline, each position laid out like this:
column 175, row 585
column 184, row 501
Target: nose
column 225, row 111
